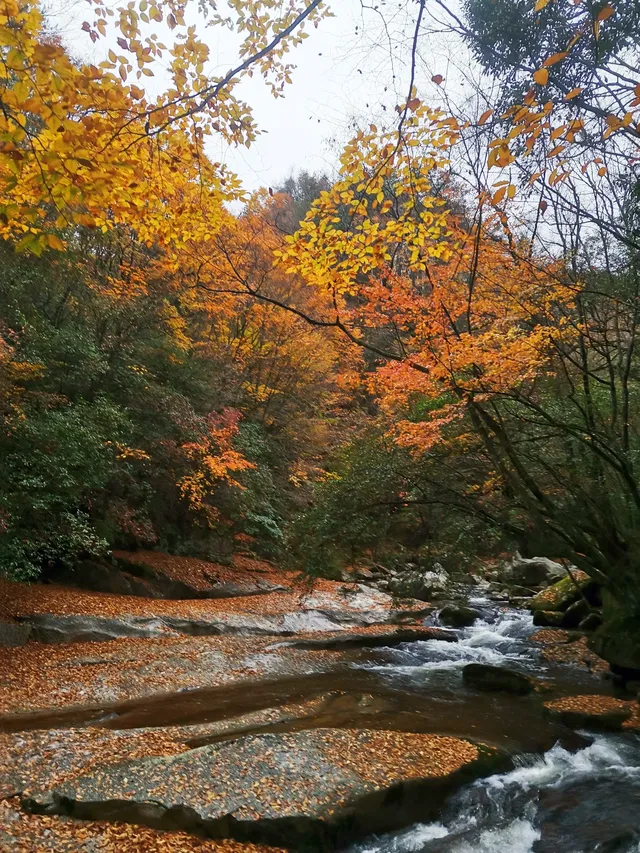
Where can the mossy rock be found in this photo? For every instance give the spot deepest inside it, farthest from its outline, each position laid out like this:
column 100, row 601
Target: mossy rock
column 562, row 594
column 618, row 642
column 548, row 618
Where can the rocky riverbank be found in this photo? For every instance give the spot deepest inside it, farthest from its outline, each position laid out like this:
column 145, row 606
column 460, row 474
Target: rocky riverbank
column 282, row 717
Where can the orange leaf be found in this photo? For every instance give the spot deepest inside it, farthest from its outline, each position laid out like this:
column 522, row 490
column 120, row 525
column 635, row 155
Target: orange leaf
column 540, row 4
column 573, row 93
column 605, row 13
column 499, row 195
column 556, row 57
column 541, row 76
column 485, row 116
column 55, row 242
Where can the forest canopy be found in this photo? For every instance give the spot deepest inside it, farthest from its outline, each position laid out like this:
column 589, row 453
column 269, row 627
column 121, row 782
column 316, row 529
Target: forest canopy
column 430, row 349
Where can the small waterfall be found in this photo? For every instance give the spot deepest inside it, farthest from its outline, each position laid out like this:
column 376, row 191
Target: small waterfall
column 499, row 639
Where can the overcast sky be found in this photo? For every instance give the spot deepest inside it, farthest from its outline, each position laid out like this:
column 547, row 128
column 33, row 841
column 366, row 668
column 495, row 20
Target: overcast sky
column 353, row 67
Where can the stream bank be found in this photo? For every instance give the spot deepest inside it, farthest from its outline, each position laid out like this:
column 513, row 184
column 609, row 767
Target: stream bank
column 309, row 742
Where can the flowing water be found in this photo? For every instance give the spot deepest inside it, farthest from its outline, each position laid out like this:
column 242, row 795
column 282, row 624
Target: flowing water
column 565, row 794
column 585, row 801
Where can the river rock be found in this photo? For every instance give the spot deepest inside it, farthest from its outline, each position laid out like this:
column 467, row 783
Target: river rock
column 423, row 586
column 360, row 607
column 591, row 622
column 548, row 618
column 128, row 577
column 14, row 633
column 303, row 790
column 591, row 712
column 534, row 571
column 361, row 641
column 564, row 593
column 458, row 616
column 575, row 613
column 483, row 677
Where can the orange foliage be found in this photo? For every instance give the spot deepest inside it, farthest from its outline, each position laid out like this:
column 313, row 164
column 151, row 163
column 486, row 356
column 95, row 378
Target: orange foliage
column 467, row 317
column 213, row 460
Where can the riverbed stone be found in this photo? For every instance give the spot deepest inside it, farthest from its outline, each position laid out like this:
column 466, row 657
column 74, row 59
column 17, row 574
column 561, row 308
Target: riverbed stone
column 562, row 594
column 483, row 677
column 296, row 788
column 458, row 616
column 591, row 712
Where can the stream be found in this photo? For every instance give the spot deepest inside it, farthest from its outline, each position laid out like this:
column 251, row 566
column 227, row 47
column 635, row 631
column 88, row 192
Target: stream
column 585, row 801
column 565, row 792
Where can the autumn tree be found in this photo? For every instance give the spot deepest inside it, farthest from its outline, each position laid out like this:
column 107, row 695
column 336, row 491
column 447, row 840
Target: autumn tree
column 486, row 330
column 86, row 145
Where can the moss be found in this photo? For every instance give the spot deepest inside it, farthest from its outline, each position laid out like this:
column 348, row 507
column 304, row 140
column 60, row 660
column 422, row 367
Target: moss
column 562, row 594
column 618, row 639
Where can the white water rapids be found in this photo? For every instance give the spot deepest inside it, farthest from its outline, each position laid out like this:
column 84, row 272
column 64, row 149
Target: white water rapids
column 559, row 802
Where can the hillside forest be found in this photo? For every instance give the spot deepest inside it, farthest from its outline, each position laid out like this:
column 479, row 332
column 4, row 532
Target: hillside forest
column 428, row 353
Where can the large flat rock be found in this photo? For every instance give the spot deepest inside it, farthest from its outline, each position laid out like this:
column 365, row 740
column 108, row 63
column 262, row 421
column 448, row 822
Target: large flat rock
column 321, row 612
column 279, row 788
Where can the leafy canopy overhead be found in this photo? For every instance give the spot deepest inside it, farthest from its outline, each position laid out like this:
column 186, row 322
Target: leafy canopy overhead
column 86, row 145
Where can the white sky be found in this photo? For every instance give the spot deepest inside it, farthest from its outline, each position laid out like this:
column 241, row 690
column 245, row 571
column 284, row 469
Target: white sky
column 349, row 69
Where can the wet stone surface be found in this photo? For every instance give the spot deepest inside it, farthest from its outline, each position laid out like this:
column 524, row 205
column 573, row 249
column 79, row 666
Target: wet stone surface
column 302, row 730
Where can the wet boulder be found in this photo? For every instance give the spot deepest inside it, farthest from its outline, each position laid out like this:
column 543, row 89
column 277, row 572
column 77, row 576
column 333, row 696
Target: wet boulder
column 458, row 616
column 487, row 678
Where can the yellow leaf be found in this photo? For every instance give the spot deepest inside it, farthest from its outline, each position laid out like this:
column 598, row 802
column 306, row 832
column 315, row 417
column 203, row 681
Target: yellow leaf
column 540, row 4
column 541, row 76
